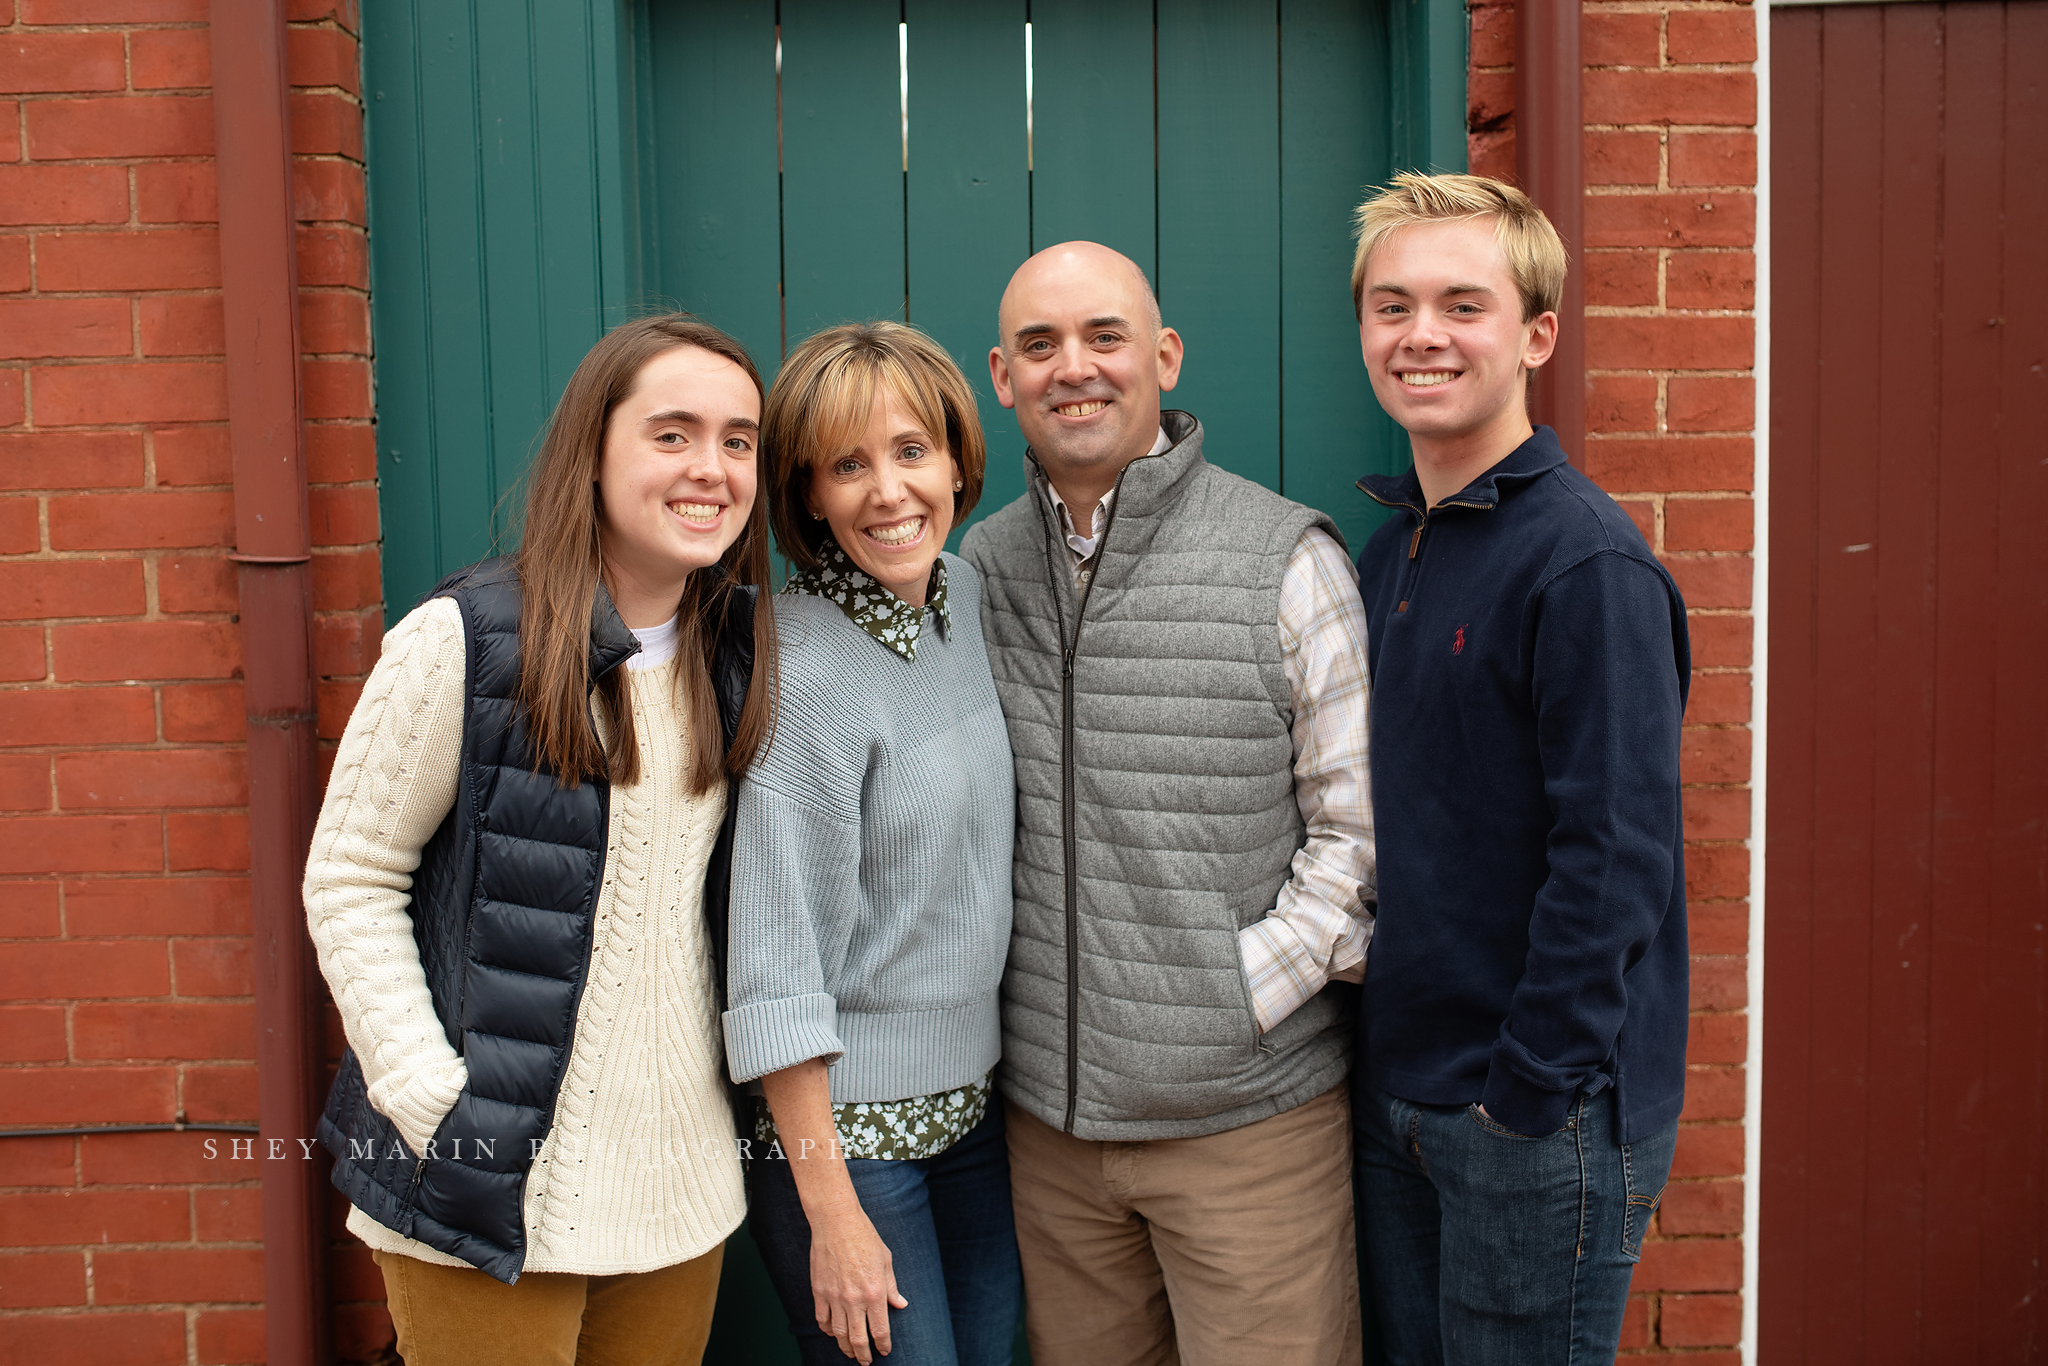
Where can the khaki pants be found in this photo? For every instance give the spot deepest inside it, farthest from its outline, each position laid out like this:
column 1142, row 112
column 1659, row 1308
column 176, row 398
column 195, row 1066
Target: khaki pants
column 1215, row 1251
column 456, row 1315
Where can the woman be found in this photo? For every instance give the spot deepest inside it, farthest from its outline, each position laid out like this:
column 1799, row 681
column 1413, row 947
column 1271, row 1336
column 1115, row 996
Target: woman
column 532, row 1085
column 871, row 890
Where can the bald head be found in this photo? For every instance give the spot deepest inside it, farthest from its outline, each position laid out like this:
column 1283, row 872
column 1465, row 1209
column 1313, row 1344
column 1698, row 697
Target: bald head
column 1088, row 266
column 1082, row 357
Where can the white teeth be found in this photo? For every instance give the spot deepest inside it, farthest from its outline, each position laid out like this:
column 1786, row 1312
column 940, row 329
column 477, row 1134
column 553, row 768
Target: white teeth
column 1081, row 409
column 899, row 534
column 697, row 512
column 1428, row 379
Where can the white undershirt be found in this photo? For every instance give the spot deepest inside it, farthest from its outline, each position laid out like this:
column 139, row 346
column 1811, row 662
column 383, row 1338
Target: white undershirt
column 1084, row 546
column 657, row 645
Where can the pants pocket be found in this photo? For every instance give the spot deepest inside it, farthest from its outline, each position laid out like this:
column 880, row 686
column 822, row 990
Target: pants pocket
column 1645, row 1168
column 1499, row 1130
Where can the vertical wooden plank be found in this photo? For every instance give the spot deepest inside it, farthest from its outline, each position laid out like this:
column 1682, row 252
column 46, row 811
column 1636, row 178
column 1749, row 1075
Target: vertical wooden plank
column 715, row 174
column 842, row 159
column 1094, row 174
column 1960, row 1042
column 1846, row 722
column 622, row 75
column 1789, row 1123
column 2017, row 989
column 1430, row 43
column 406, row 492
column 1219, row 224
column 458, row 316
column 514, row 139
column 969, row 195
column 486, row 251
column 572, row 103
column 1333, row 142
column 1903, row 555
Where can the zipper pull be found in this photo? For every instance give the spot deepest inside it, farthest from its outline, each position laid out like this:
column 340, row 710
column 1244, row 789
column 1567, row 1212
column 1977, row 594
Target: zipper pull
column 1415, row 541
column 1067, row 665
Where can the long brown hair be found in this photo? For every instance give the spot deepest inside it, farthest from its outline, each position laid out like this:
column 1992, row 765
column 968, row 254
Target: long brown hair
column 561, row 563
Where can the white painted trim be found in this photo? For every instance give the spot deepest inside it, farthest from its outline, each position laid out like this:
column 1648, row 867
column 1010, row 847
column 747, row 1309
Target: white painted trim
column 1759, row 692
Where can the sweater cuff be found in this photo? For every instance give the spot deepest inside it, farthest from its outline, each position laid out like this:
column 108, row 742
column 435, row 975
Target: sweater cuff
column 768, row 1036
column 1528, row 1110
column 416, row 1102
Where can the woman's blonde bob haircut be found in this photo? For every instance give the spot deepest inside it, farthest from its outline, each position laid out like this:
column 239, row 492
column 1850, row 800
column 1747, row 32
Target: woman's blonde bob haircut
column 1535, row 254
column 820, row 406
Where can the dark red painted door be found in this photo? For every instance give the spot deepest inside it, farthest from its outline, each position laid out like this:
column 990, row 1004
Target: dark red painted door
column 1905, row 1114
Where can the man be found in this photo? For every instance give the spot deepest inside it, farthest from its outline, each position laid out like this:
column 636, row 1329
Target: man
column 1522, row 1038
column 1179, row 657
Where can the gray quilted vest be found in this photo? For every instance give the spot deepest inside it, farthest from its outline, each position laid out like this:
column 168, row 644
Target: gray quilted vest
column 1149, row 715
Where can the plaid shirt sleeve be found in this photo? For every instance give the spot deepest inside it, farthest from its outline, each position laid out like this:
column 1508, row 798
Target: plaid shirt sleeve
column 1319, row 929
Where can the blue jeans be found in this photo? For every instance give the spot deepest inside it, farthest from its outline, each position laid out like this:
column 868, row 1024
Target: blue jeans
column 947, row 1223
column 1486, row 1246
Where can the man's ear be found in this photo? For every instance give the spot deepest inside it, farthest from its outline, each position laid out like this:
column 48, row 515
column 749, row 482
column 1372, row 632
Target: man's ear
column 1170, row 351
column 1541, row 341
column 999, row 375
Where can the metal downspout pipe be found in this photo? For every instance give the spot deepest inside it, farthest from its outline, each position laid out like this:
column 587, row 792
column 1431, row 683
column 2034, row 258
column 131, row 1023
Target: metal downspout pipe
column 1549, row 162
column 273, row 547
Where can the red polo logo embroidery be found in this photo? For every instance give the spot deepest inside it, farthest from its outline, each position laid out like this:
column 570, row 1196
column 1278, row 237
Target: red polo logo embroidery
column 1458, row 642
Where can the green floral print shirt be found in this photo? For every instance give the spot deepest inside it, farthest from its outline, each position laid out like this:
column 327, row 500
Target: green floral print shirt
column 897, row 1130
column 868, row 605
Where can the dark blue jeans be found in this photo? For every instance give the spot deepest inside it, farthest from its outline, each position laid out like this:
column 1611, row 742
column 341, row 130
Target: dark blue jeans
column 948, row 1226
column 1489, row 1248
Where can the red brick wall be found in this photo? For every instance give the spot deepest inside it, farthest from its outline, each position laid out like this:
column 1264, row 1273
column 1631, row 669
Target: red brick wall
column 124, row 903
column 1670, row 271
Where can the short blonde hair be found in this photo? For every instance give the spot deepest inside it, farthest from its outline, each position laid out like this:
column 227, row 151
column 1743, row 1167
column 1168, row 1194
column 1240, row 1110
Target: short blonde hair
column 1535, row 253
column 822, row 400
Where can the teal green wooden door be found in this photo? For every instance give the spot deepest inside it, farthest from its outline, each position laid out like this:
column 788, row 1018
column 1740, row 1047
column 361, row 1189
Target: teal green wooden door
column 927, row 147
column 541, row 169
column 779, row 168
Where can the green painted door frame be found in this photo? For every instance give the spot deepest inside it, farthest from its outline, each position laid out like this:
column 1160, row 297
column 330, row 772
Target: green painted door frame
column 528, row 165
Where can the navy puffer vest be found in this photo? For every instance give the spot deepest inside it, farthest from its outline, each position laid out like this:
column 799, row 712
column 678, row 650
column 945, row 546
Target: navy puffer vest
column 504, row 905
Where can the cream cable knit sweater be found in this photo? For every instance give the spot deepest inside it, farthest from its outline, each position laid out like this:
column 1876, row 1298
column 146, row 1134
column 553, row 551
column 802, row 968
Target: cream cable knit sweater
column 639, row 1171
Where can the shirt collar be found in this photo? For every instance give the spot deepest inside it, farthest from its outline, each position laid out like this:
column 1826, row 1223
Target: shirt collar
column 1535, row 457
column 1084, row 546
column 657, row 645
column 867, row 604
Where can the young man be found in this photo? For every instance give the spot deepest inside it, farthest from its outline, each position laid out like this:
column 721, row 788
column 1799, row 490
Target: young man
column 1179, row 655
column 1521, row 1055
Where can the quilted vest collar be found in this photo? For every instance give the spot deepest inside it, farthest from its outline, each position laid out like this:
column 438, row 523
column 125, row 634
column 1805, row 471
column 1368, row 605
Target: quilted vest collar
column 1151, row 483
column 611, row 642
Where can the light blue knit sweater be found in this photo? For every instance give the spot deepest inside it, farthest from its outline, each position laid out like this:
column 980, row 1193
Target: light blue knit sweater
column 871, row 863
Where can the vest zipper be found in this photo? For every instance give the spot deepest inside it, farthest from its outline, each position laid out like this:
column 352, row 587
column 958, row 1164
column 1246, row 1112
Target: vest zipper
column 1069, row 836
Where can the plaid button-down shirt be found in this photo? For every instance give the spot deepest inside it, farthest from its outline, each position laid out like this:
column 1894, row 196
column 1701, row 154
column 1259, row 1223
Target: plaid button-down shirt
column 1318, row 929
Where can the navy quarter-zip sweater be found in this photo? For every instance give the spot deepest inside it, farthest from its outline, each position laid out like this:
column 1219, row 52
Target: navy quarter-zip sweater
column 1529, row 666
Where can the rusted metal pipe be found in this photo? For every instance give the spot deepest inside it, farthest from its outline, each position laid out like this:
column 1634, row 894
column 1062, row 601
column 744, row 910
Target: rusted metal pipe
column 1549, row 161
column 273, row 547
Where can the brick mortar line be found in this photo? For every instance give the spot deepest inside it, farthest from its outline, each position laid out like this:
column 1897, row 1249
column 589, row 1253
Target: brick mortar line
column 193, row 92
column 1704, row 129
column 1661, row 311
column 1670, row 372
column 1636, row 189
column 23, row 26
column 1664, row 7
